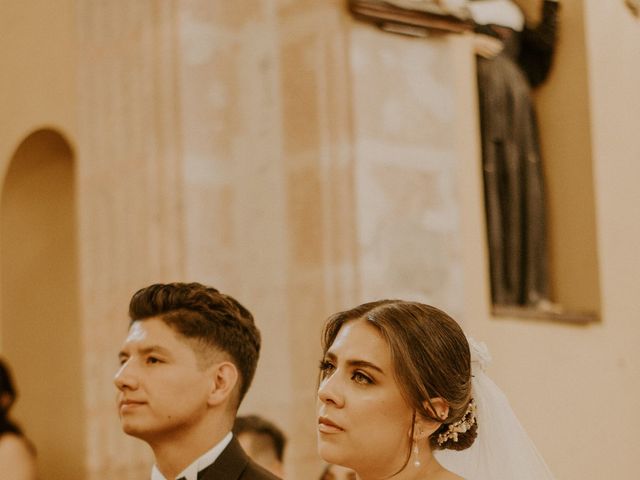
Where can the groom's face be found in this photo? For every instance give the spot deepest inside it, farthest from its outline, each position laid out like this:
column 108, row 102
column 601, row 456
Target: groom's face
column 162, row 388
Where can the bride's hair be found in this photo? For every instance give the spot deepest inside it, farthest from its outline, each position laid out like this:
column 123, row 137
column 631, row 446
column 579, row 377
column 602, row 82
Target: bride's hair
column 431, row 359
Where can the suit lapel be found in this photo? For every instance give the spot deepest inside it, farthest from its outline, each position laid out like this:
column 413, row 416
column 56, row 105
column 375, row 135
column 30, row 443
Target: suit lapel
column 228, row 466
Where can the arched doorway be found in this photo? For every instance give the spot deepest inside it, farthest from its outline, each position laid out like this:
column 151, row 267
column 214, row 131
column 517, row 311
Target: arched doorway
column 40, row 329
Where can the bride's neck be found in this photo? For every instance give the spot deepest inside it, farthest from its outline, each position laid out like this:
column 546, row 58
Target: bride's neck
column 428, row 468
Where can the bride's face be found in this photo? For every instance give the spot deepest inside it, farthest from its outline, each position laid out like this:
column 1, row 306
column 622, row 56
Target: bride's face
column 363, row 421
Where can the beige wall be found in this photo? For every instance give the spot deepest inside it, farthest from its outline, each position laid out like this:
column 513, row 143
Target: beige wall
column 39, row 85
column 39, row 255
column 559, row 376
column 613, row 35
column 264, row 147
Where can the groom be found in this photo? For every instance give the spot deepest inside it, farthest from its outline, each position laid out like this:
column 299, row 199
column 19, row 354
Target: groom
column 186, row 364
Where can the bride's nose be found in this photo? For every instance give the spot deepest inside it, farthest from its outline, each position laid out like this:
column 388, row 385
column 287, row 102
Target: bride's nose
column 329, row 391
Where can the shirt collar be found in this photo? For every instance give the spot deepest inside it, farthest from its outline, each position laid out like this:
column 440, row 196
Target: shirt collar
column 191, row 472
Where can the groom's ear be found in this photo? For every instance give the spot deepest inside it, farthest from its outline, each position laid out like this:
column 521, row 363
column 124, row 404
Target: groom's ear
column 224, row 377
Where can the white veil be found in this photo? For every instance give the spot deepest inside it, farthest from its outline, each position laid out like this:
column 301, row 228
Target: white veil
column 502, row 450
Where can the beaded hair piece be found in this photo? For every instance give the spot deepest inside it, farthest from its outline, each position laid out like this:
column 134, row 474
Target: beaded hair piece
column 461, row 426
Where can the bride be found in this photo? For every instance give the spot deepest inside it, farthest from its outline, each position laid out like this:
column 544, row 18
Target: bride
column 401, row 395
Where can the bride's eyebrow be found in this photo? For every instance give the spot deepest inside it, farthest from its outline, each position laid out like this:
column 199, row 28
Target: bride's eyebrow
column 329, row 356
column 365, row 364
column 355, row 362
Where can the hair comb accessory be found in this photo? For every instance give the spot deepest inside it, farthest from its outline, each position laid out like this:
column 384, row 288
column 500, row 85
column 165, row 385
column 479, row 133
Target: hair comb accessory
column 461, row 426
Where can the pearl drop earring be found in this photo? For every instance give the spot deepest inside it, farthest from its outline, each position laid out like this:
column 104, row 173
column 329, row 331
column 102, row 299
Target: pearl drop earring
column 416, row 454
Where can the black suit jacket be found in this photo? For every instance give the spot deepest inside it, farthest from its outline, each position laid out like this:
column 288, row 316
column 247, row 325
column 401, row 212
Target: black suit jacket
column 234, row 464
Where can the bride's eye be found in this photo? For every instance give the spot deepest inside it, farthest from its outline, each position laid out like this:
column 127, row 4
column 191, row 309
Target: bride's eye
column 361, row 378
column 326, row 368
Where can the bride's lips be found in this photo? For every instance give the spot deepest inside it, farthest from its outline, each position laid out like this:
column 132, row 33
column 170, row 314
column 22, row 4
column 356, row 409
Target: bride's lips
column 327, row 426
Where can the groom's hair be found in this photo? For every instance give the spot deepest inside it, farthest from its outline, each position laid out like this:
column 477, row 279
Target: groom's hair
column 209, row 320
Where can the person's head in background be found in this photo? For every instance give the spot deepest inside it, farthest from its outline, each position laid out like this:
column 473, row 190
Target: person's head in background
column 7, row 397
column 337, row 472
column 7, row 390
column 263, row 441
column 17, row 453
column 395, row 382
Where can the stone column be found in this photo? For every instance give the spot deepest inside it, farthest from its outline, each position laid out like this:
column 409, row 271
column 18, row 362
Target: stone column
column 409, row 129
column 130, row 197
column 267, row 152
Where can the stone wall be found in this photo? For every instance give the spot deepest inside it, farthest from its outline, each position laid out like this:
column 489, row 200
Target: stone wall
column 276, row 150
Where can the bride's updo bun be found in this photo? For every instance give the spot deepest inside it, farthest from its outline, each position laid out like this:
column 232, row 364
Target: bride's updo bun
column 442, row 438
column 431, row 358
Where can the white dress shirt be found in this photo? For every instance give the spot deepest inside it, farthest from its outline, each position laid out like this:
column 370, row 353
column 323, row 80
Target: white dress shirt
column 202, row 462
